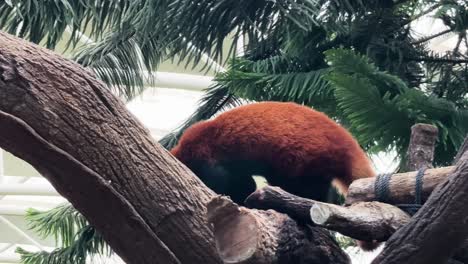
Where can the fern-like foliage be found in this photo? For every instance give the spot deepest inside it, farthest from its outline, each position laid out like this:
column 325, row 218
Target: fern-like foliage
column 120, row 54
column 390, row 107
column 77, row 240
column 406, row 81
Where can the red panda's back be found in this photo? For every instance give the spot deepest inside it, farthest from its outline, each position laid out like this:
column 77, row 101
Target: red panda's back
column 287, row 135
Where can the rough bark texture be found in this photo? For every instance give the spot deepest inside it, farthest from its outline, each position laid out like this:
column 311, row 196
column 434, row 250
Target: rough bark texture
column 57, row 117
column 366, row 221
column 421, row 146
column 461, row 151
column 402, row 186
column 267, row 237
column 438, row 229
column 271, row 197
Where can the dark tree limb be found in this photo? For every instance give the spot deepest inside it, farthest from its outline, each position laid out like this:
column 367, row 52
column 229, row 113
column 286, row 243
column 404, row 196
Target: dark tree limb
column 401, row 186
column 438, row 229
column 421, row 146
column 461, row 151
column 55, row 115
column 367, row 221
column 267, row 237
column 272, row 197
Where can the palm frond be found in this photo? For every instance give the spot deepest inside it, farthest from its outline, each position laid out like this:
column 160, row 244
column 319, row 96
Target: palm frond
column 61, row 222
column 124, row 62
column 113, row 49
column 47, row 20
column 382, row 118
column 303, row 87
column 77, row 240
column 223, row 20
column 87, row 243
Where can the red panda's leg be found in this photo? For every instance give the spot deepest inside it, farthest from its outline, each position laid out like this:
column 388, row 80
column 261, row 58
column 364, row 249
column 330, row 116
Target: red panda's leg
column 226, row 180
column 241, row 186
column 313, row 187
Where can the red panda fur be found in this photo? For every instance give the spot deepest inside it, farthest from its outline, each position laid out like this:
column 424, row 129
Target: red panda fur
column 303, row 151
column 294, row 139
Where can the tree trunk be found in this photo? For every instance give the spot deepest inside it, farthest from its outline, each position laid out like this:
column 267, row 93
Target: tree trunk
column 250, row 236
column 55, row 115
column 438, row 229
column 463, row 148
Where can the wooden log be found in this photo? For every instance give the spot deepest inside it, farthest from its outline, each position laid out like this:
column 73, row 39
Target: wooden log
column 259, row 237
column 438, row 229
column 421, row 146
column 401, row 186
column 368, row 221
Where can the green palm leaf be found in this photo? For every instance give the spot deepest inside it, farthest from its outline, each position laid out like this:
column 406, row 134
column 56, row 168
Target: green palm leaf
column 77, row 239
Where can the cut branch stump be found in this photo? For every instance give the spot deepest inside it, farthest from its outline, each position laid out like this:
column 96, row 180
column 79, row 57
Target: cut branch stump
column 421, row 146
column 251, row 236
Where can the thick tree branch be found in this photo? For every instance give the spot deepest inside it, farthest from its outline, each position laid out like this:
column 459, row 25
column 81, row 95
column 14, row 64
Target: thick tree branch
column 439, row 227
column 265, row 237
column 15, row 132
column 103, row 160
column 366, row 221
column 272, row 197
column 401, row 186
column 461, row 151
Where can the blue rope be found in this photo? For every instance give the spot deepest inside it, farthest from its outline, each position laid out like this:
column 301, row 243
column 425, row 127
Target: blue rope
column 382, row 187
column 419, row 184
column 382, row 191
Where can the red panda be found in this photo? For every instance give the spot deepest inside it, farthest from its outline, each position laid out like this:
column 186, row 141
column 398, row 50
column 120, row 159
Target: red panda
column 293, row 146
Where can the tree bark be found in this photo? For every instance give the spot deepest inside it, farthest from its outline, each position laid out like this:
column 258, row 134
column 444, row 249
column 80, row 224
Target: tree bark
column 250, row 236
column 461, row 151
column 272, row 197
column 401, row 186
column 367, row 221
column 55, row 115
column 438, row 229
column 421, row 146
